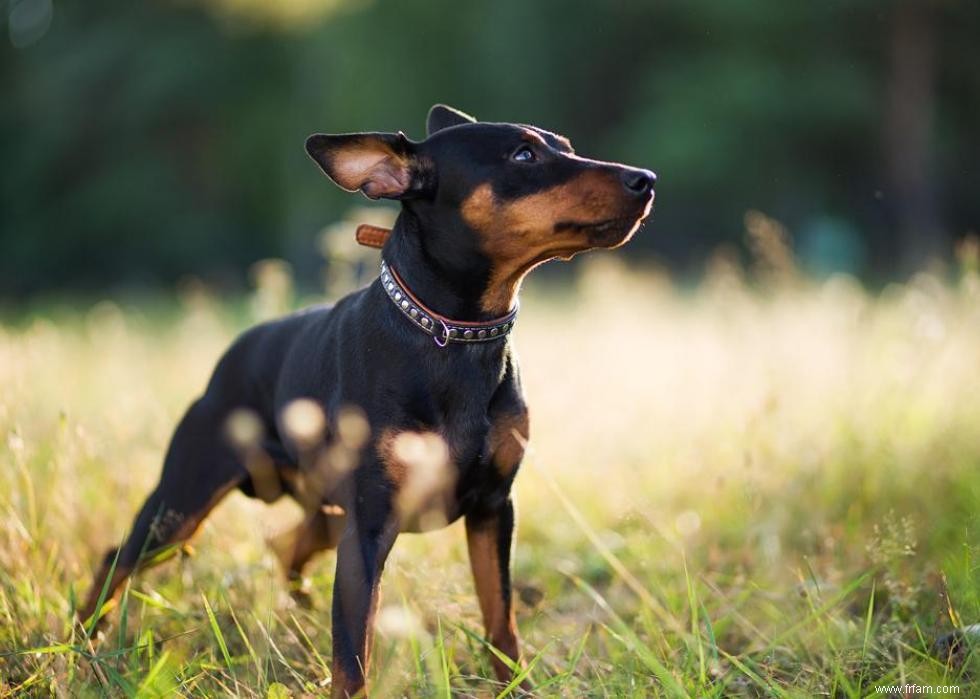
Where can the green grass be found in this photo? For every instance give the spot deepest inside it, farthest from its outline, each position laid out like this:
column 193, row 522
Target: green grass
column 744, row 490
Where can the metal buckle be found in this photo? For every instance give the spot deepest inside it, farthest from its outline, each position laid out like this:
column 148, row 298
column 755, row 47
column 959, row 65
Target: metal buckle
column 445, row 334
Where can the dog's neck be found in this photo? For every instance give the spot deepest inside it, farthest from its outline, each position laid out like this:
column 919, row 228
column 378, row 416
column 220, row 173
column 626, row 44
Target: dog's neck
column 448, row 280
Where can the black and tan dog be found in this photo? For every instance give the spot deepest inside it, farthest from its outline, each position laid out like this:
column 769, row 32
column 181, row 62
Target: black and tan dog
column 423, row 350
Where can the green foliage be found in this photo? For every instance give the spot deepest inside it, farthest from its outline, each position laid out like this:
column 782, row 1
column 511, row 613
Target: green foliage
column 143, row 142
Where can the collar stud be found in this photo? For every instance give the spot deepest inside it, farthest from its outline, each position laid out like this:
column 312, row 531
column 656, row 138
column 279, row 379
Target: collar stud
column 443, row 330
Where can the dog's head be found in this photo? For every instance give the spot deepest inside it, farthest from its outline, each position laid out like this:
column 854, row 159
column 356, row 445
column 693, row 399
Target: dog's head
column 511, row 194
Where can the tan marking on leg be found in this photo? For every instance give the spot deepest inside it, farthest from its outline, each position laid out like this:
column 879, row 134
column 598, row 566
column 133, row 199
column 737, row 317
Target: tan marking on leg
column 394, row 468
column 193, row 521
column 317, row 532
column 499, row 621
column 186, row 525
column 119, row 576
column 342, row 685
column 508, row 435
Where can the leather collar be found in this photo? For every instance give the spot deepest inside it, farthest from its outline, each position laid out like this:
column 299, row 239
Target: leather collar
column 442, row 329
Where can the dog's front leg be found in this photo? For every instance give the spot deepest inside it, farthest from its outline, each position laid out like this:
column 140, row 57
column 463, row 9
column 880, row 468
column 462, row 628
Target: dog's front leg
column 361, row 556
column 489, row 539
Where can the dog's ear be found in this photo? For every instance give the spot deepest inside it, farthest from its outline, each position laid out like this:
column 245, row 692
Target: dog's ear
column 442, row 117
column 378, row 164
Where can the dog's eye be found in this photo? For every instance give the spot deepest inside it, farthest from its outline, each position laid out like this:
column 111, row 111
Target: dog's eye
column 524, row 154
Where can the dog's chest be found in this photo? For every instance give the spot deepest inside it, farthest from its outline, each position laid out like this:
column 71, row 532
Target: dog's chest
column 486, row 450
column 460, row 459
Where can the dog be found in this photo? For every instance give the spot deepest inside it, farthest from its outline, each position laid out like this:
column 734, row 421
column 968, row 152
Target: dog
column 343, row 407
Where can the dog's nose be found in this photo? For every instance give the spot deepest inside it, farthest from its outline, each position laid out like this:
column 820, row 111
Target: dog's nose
column 638, row 181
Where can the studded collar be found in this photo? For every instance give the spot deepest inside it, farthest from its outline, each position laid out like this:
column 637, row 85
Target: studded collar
column 442, row 329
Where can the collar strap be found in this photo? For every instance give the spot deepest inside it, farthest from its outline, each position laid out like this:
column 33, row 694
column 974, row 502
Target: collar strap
column 372, row 236
column 442, row 329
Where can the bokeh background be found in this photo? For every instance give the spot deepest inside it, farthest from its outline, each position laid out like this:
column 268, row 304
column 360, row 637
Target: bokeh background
column 145, row 142
column 755, row 444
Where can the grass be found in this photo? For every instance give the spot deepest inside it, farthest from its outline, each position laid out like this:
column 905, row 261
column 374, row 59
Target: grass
column 748, row 489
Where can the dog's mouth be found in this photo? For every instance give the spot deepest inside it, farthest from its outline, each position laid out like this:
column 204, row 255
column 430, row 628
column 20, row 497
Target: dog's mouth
column 597, row 227
column 603, row 227
column 636, row 212
column 609, row 232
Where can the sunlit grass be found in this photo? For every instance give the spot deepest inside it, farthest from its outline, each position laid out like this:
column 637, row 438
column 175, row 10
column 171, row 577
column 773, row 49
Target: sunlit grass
column 752, row 488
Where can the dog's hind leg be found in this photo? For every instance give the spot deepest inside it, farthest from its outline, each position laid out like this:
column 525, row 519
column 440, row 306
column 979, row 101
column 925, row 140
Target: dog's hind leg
column 319, row 531
column 199, row 470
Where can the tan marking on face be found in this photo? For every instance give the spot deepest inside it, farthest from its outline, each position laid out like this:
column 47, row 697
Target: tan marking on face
column 370, row 165
column 508, row 435
column 564, row 143
column 533, row 137
column 520, row 234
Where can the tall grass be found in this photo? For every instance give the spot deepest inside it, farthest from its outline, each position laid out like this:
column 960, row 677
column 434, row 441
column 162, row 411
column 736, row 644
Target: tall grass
column 763, row 487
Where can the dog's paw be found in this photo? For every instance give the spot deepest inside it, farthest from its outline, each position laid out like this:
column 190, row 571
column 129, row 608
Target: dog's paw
column 953, row 648
column 303, row 598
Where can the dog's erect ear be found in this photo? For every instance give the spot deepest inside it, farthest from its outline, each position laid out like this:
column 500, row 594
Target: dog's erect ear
column 378, row 164
column 442, row 117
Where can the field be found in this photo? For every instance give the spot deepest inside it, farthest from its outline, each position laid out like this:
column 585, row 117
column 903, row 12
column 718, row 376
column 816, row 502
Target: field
column 763, row 486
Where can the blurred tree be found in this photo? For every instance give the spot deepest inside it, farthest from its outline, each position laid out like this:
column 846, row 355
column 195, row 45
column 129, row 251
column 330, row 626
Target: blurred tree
column 908, row 133
column 145, row 141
